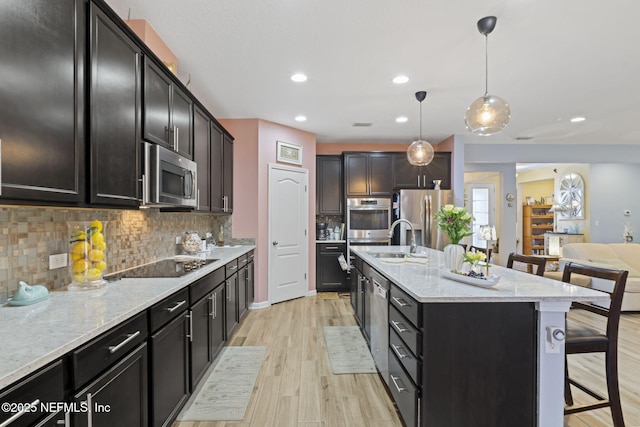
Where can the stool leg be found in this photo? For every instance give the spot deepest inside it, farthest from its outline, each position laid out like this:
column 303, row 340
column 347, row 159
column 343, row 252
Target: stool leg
column 613, row 388
column 568, row 397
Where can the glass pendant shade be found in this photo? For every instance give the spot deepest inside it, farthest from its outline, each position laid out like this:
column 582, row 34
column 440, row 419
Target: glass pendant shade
column 420, row 153
column 487, row 115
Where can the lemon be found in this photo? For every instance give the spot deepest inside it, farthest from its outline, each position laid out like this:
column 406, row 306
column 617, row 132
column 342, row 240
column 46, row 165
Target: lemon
column 80, row 266
column 96, row 255
column 75, row 257
column 97, row 238
column 80, row 248
column 100, row 246
column 79, row 277
column 97, row 225
column 100, row 265
column 93, row 274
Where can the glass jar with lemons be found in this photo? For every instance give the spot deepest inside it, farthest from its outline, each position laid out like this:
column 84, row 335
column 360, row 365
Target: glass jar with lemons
column 87, row 254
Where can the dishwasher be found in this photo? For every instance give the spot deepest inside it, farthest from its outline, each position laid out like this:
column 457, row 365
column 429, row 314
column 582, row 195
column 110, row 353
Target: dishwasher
column 379, row 310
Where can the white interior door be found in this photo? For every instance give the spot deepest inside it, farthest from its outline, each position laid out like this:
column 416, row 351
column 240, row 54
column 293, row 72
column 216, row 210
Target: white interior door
column 288, row 235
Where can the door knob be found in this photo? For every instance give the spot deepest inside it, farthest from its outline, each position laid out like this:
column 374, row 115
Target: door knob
column 275, row 243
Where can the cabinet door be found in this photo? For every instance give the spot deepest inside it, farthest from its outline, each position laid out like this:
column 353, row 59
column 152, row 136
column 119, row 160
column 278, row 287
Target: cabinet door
column 217, row 327
column 405, row 175
column 42, row 100
column 250, row 283
column 329, row 276
column 217, row 168
column 202, row 156
column 181, row 121
column 124, row 385
column 242, row 293
column 356, row 174
column 227, row 180
column 439, row 168
column 201, row 333
column 169, row 371
column 231, row 307
column 380, row 174
column 157, row 105
column 115, row 114
column 329, row 194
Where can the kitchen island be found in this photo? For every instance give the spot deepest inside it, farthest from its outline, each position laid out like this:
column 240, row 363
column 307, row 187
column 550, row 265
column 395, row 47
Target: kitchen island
column 462, row 355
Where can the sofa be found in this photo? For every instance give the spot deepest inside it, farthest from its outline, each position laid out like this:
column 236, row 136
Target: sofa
column 618, row 256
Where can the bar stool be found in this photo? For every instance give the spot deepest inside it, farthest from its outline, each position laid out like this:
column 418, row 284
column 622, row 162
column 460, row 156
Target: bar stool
column 529, row 260
column 581, row 339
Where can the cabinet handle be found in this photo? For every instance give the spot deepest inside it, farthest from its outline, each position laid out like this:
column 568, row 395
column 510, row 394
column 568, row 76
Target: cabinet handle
column 145, row 189
column 198, row 198
column 235, row 267
column 424, row 181
column 130, row 337
column 190, row 334
column 212, row 299
column 176, row 137
column 228, row 293
column 20, row 413
column 418, row 180
column 398, row 327
column 395, row 383
column 400, row 302
column 90, row 414
column 330, row 247
column 175, row 307
column 396, row 350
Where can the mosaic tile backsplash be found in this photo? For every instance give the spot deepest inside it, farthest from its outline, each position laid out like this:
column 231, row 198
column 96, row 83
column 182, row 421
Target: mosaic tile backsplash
column 29, row 235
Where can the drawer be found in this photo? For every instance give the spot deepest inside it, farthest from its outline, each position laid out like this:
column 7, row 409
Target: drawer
column 405, row 330
column 231, row 268
column 406, row 305
column 168, row 309
column 97, row 355
column 204, row 286
column 404, row 393
column 410, row 362
column 250, row 256
column 242, row 261
column 358, row 262
column 44, row 386
column 331, row 247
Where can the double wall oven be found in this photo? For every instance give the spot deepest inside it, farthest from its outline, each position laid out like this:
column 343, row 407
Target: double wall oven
column 368, row 221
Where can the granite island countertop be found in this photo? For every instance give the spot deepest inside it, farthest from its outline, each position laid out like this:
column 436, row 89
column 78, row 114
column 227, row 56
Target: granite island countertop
column 424, row 282
column 33, row 336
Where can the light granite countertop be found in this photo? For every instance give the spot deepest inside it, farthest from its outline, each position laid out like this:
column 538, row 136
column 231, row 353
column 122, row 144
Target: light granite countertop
column 33, row 336
column 424, row 282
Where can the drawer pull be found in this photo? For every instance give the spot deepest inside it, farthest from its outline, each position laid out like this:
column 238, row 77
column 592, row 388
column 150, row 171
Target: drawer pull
column 328, row 248
column 395, row 383
column 396, row 350
column 130, row 337
column 235, row 267
column 400, row 302
column 175, row 307
column 27, row 408
column 398, row 327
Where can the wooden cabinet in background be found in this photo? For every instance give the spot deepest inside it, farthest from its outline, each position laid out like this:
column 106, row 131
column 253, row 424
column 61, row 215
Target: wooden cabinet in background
column 536, row 221
column 368, row 174
column 329, row 276
column 406, row 175
column 329, row 185
column 221, row 170
column 202, row 156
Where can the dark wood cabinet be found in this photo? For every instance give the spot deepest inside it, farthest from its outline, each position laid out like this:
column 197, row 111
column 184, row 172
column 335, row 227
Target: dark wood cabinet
column 202, row 156
column 115, row 96
column 329, row 185
column 329, row 276
column 367, row 174
column 250, row 279
column 221, row 171
column 42, row 101
column 200, row 317
column 124, row 385
column 242, row 286
column 167, row 111
column 218, row 327
column 406, row 175
column 231, row 294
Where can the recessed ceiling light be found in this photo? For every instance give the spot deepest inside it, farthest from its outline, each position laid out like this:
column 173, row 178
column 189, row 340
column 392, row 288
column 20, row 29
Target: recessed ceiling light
column 401, row 119
column 400, row 79
column 298, row 78
column 578, row 119
column 301, row 118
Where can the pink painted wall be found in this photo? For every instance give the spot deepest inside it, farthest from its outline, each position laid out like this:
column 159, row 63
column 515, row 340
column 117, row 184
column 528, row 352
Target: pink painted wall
column 148, row 35
column 254, row 148
column 339, row 147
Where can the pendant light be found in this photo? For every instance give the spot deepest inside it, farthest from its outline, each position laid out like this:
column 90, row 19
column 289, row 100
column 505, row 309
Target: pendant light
column 488, row 114
column 420, row 152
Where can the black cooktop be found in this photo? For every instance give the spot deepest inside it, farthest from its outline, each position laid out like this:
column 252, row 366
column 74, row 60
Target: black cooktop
column 164, row 268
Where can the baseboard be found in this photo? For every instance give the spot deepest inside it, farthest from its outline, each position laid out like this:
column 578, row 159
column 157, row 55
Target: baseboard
column 311, row 293
column 259, row 305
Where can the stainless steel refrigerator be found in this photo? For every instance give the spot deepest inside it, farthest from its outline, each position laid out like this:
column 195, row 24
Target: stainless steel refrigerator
column 419, row 207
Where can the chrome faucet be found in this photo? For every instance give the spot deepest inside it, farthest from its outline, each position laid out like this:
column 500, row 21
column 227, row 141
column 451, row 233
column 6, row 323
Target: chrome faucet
column 413, row 246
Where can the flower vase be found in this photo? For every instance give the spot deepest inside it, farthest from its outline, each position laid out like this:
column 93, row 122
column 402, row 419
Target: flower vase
column 453, row 257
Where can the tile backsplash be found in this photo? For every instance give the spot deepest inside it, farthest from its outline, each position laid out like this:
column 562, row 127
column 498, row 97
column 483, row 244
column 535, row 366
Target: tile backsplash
column 29, row 235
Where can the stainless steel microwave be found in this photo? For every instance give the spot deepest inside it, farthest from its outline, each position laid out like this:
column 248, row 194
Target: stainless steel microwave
column 169, row 179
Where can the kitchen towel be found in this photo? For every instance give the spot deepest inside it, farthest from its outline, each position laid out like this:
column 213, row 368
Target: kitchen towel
column 226, row 392
column 348, row 351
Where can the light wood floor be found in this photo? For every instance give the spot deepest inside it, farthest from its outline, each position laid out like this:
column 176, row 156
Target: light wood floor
column 295, row 386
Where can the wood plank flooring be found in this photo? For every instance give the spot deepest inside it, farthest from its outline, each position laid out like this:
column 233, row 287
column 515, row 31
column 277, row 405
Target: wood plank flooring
column 295, row 386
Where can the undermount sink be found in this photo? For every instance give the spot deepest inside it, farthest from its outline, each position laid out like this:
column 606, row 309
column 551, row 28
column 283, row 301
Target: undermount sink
column 388, row 254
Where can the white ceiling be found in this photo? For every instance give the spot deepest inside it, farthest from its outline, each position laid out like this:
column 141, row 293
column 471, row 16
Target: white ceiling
column 550, row 59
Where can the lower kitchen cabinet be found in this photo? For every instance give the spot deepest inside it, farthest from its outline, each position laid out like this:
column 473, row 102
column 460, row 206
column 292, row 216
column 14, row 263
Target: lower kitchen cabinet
column 118, row 397
column 217, row 327
column 200, row 342
column 242, row 287
column 250, row 278
column 357, row 291
column 231, row 306
column 329, row 275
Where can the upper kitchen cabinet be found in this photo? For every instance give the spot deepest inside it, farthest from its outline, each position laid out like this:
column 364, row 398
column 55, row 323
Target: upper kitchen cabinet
column 115, row 114
column 167, row 112
column 367, row 174
column 221, row 170
column 329, row 185
column 42, row 96
column 202, row 156
column 406, row 175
